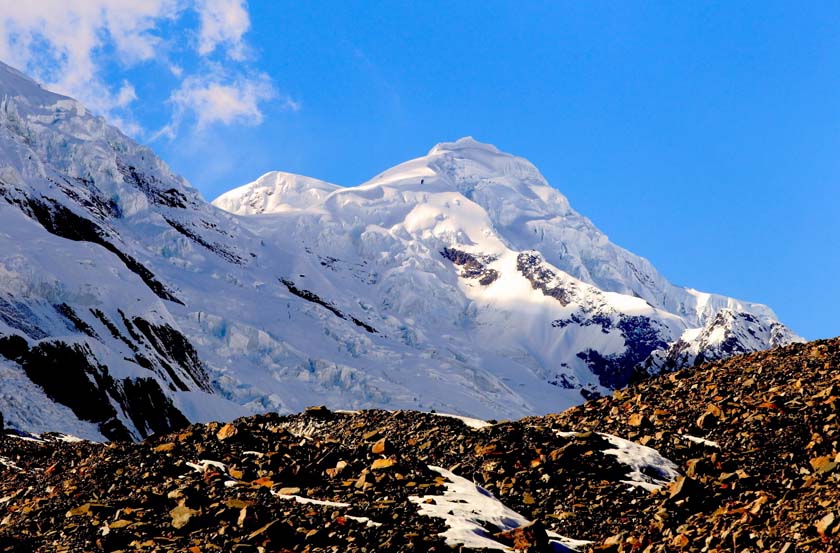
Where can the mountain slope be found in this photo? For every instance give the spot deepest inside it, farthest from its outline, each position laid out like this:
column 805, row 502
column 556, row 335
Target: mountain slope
column 460, row 282
column 740, row 454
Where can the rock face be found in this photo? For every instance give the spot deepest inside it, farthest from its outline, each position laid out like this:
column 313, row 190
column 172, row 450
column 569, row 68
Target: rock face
column 460, row 281
column 727, row 333
column 740, row 454
column 88, row 343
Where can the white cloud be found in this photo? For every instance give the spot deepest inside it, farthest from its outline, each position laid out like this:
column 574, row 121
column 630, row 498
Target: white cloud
column 75, row 47
column 211, row 100
column 58, row 41
column 223, row 22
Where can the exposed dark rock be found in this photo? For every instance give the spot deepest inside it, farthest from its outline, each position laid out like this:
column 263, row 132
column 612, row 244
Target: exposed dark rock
column 472, row 266
column 641, row 337
column 77, row 323
column 532, row 267
column 60, row 221
column 314, row 298
column 112, row 328
column 173, row 345
column 13, row 347
column 586, row 319
column 70, row 375
column 149, row 409
column 84, row 192
column 218, row 249
column 152, row 187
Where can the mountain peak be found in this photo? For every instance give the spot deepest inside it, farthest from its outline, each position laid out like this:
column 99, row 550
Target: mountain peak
column 274, row 192
column 14, row 84
column 464, row 143
column 459, row 281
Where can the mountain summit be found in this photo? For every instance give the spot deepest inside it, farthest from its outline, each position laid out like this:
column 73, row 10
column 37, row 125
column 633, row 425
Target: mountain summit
column 473, row 243
column 459, row 281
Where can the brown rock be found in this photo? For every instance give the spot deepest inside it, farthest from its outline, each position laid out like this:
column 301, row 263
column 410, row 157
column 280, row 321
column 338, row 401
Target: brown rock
column 381, row 464
column 372, row 435
column 88, row 509
column 318, row 411
column 264, row 529
column 714, row 410
column 823, row 464
column 683, row 487
column 380, row 447
column 226, row 432
column 489, row 449
column 706, row 421
column 339, row 468
column 525, row 538
column 181, row 516
column 362, row 482
column 824, row 526
column 680, row 541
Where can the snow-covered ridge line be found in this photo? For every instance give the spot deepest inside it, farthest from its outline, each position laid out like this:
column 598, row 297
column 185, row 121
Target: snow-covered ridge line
column 459, row 282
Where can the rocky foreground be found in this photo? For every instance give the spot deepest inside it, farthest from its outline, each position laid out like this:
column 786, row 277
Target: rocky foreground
column 738, row 455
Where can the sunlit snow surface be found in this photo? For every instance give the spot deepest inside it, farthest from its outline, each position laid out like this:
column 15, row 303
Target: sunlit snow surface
column 413, row 333
column 475, row 424
column 701, row 441
column 648, row 468
column 469, row 510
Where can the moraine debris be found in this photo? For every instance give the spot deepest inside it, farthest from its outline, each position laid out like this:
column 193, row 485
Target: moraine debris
column 631, row 472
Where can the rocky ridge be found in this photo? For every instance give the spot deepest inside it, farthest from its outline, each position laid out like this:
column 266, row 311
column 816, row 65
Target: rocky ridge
column 741, row 454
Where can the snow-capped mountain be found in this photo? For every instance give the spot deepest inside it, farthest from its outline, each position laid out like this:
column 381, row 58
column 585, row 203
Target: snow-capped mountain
column 473, row 244
column 459, row 281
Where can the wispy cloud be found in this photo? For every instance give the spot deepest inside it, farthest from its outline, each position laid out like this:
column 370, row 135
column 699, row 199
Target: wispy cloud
column 223, row 23
column 76, row 48
column 212, row 99
column 58, row 42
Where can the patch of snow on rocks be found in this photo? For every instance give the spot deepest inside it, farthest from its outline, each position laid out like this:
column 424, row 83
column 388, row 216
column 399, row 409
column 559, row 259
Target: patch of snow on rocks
column 649, row 469
column 476, row 424
column 469, row 510
column 308, row 501
column 701, row 441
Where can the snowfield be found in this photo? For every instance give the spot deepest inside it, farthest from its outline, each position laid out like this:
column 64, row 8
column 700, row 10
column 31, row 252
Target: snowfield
column 460, row 282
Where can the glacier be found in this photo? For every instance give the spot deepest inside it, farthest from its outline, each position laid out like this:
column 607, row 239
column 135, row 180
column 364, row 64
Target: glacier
column 460, row 282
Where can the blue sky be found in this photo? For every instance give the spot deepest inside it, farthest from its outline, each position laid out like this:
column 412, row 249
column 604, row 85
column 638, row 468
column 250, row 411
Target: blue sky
column 703, row 136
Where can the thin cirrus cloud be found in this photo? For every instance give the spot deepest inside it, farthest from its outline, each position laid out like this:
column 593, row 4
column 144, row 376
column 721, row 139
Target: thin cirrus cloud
column 210, row 100
column 64, row 45
column 223, row 22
